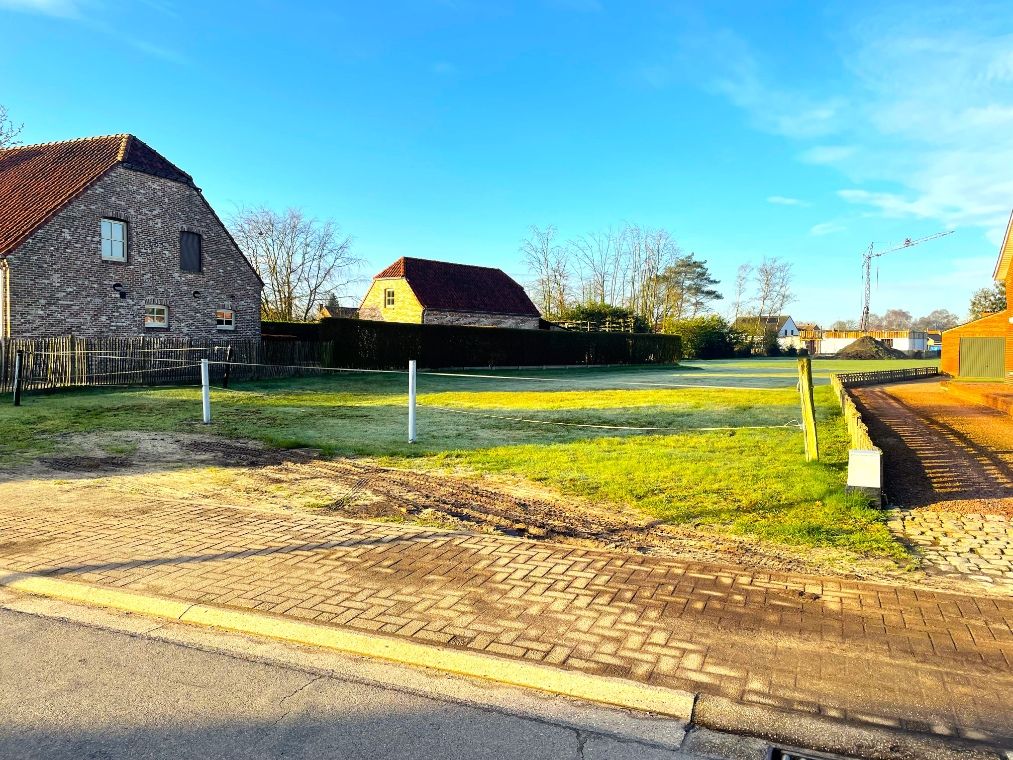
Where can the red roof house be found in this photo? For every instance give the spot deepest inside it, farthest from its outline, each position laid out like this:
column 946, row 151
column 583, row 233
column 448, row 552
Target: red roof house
column 422, row 291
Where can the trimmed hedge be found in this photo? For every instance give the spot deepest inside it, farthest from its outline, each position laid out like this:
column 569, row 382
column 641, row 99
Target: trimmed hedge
column 364, row 344
column 298, row 330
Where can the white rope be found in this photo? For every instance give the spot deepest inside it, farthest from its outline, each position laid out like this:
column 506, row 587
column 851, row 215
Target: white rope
column 792, row 424
column 106, row 350
column 90, row 376
column 314, row 367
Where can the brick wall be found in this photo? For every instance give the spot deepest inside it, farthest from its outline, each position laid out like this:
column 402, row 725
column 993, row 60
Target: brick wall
column 992, row 326
column 479, row 319
column 59, row 283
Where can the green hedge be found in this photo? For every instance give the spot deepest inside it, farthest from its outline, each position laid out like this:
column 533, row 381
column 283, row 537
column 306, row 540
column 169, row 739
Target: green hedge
column 364, row 344
column 298, row 330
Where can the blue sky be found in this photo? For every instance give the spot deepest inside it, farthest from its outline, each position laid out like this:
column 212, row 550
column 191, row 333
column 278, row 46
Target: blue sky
column 444, row 128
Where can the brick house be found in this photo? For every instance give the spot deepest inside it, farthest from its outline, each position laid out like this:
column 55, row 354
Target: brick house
column 103, row 236
column 428, row 292
column 983, row 349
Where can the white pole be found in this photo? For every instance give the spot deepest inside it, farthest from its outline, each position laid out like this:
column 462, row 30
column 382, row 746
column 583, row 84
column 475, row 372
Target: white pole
column 205, row 388
column 411, row 401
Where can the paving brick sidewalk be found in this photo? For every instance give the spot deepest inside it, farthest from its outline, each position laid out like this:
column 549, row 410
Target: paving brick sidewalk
column 869, row 653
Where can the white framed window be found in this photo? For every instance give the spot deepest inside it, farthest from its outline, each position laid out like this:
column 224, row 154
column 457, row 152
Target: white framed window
column 114, row 240
column 388, row 297
column 225, row 319
column 156, row 316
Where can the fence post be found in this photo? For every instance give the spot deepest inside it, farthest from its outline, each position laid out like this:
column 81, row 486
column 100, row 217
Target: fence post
column 228, row 366
column 805, row 389
column 411, row 401
column 205, row 390
column 18, row 370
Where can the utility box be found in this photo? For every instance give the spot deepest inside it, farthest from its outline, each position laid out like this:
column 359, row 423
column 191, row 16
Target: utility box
column 865, row 473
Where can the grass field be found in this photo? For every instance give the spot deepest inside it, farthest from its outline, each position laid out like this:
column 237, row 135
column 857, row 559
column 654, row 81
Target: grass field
column 744, row 481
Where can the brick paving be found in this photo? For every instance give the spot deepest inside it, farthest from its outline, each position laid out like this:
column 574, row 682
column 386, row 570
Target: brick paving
column 881, row 654
column 948, row 465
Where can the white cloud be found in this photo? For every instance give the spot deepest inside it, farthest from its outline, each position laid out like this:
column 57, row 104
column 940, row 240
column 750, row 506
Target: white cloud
column 827, row 154
column 782, row 200
column 919, row 122
column 826, row 228
column 61, row 8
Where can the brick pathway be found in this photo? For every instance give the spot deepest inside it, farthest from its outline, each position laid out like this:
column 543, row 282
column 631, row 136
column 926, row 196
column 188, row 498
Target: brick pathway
column 948, row 463
column 874, row 653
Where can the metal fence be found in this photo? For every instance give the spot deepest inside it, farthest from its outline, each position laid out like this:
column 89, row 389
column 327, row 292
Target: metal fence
column 878, row 377
column 68, row 361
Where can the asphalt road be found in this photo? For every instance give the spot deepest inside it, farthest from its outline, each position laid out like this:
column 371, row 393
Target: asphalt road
column 80, row 690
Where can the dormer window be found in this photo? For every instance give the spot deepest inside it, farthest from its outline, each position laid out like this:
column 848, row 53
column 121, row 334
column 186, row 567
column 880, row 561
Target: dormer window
column 114, row 240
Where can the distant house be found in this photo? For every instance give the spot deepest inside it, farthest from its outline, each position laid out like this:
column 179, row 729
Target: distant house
column 757, row 328
column 983, row 349
column 343, row 312
column 832, row 341
column 422, row 291
column 103, row 236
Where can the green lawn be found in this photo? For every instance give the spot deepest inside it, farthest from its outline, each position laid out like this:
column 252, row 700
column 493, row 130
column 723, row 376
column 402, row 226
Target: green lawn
column 744, row 481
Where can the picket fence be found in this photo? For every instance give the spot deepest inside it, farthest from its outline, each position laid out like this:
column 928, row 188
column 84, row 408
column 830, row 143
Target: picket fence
column 68, row 361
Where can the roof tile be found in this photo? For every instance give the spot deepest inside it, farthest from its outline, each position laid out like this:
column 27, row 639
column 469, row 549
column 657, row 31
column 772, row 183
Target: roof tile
column 461, row 287
column 36, row 181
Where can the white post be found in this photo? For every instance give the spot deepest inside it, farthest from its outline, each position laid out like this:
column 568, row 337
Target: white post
column 205, row 389
column 411, row 401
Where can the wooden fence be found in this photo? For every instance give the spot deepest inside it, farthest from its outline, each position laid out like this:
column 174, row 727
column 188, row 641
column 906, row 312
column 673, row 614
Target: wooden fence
column 68, row 361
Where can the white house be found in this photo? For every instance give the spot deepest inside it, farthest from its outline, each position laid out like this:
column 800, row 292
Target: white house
column 756, row 328
column 832, row 341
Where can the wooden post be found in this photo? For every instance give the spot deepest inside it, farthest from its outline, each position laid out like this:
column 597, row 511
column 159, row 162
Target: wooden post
column 18, row 374
column 805, row 388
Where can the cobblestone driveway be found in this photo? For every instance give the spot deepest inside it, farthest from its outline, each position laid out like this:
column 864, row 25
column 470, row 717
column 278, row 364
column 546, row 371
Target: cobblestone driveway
column 948, row 467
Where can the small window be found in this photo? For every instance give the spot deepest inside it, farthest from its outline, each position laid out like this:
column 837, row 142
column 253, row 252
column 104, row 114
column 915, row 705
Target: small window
column 114, row 240
column 156, row 317
column 189, row 252
column 225, row 319
column 388, row 297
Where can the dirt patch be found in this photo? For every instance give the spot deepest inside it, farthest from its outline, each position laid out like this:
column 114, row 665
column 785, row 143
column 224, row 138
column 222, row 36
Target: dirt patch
column 86, row 464
column 868, row 347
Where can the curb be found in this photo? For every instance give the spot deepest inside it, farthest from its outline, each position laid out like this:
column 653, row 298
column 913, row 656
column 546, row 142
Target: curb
column 607, row 690
column 823, row 733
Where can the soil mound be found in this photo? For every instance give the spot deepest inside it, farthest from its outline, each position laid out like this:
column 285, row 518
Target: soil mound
column 869, row 348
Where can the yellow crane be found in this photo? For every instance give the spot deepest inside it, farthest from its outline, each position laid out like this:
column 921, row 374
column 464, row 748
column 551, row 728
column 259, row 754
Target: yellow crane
column 871, row 254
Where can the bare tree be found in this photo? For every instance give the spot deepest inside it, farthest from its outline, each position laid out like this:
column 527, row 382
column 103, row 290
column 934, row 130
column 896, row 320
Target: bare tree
column 773, row 287
column 549, row 268
column 743, row 277
column 302, row 260
column 9, row 131
column 897, row 319
column 602, row 264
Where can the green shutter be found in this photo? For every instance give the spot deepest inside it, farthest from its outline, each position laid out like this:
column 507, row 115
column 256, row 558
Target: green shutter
column 982, row 357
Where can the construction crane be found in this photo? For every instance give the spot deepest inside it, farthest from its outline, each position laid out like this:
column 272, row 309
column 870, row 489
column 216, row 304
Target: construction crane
column 871, row 254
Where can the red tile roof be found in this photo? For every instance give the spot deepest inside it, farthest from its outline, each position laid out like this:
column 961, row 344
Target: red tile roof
column 36, row 181
column 461, row 287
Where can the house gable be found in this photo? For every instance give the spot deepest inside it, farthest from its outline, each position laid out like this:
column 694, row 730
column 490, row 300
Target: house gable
column 60, row 284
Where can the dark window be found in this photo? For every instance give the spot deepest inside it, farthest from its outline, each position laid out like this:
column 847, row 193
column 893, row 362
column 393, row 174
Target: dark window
column 189, row 252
